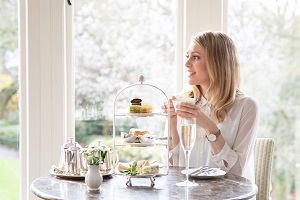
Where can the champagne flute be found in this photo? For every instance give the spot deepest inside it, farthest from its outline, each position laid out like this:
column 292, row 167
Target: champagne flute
column 187, row 133
column 114, row 159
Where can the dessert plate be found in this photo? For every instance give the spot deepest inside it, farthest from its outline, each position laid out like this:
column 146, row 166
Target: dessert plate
column 207, row 173
column 125, row 112
column 139, row 144
column 142, row 144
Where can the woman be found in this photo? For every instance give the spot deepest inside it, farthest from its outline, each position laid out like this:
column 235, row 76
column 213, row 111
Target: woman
column 222, row 112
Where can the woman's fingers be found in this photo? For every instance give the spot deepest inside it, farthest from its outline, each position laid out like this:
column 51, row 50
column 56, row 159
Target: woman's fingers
column 185, row 109
column 164, row 107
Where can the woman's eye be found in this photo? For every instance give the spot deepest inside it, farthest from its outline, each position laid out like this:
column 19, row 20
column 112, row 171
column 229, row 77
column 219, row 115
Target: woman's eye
column 187, row 56
column 196, row 57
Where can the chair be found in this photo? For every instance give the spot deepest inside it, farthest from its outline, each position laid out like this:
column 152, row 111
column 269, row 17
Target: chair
column 263, row 159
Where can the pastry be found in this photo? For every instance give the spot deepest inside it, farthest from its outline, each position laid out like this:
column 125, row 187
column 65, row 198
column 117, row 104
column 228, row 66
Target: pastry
column 146, row 109
column 136, row 131
column 136, row 102
column 135, row 106
column 135, row 109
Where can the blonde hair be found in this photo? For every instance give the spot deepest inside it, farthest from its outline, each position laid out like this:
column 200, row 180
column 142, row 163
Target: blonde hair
column 223, row 70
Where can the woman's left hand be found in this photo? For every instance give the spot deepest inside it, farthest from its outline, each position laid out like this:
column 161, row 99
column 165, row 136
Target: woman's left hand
column 189, row 110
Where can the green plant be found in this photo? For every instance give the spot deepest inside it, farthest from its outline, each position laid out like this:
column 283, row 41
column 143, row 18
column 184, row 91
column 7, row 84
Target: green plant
column 95, row 155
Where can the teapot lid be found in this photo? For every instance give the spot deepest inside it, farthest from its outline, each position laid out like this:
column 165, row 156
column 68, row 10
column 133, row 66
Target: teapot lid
column 75, row 147
column 69, row 143
column 102, row 147
column 99, row 143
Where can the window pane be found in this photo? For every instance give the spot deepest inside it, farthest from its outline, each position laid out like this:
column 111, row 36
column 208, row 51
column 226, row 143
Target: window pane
column 267, row 34
column 9, row 112
column 115, row 41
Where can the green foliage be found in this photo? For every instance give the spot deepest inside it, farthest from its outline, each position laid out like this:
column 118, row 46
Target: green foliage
column 9, row 179
column 87, row 130
column 95, row 155
column 269, row 41
column 9, row 134
column 132, row 171
column 6, row 98
column 116, row 48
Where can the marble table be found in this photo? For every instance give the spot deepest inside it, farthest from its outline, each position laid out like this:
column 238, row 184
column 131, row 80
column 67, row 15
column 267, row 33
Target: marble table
column 114, row 187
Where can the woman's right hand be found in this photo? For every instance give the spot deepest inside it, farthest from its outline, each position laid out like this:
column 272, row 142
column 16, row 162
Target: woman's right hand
column 173, row 123
column 172, row 109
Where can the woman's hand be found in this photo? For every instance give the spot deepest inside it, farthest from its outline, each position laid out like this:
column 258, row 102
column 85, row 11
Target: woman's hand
column 173, row 123
column 189, row 110
column 172, row 109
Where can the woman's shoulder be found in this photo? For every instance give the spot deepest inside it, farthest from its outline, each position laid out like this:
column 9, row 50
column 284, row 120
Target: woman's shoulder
column 246, row 101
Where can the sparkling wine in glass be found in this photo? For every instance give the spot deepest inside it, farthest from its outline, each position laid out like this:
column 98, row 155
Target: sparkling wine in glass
column 114, row 159
column 187, row 133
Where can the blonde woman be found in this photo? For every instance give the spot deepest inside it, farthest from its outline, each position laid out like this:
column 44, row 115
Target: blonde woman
column 226, row 119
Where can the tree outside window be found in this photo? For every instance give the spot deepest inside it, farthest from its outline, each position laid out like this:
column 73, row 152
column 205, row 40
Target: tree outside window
column 115, row 42
column 268, row 37
column 9, row 112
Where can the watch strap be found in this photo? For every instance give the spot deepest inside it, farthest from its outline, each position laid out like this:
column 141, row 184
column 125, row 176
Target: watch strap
column 217, row 133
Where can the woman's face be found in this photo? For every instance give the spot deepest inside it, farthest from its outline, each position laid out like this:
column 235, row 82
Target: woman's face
column 196, row 66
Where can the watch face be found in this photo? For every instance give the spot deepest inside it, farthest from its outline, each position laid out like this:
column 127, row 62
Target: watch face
column 212, row 137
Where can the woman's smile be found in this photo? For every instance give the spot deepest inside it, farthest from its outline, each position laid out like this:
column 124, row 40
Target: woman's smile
column 190, row 73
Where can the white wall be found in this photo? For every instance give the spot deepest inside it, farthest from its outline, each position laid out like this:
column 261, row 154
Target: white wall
column 198, row 16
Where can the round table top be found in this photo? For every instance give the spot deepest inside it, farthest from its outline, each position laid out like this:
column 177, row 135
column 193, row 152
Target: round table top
column 114, row 187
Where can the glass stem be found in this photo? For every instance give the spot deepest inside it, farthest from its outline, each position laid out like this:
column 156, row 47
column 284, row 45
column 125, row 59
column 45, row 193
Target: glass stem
column 187, row 162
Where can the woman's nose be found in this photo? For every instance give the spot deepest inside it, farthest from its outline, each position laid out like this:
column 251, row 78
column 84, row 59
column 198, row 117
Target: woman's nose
column 187, row 63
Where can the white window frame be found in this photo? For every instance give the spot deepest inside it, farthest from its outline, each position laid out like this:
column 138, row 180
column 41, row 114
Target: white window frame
column 46, row 87
column 47, row 80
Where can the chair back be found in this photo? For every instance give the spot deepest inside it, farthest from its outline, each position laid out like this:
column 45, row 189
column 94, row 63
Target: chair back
column 263, row 159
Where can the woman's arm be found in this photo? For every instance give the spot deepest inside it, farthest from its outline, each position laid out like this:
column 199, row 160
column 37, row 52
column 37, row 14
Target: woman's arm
column 188, row 110
column 173, row 124
column 225, row 156
column 245, row 137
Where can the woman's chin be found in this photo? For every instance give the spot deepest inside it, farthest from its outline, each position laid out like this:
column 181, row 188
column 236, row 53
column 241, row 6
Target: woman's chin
column 191, row 82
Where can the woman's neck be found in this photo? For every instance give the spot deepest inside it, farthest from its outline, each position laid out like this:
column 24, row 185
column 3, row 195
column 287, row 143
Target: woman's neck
column 204, row 92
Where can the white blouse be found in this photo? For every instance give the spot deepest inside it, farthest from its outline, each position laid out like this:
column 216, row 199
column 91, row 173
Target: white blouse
column 239, row 132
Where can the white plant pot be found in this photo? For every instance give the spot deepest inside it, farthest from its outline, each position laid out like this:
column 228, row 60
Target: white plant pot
column 93, row 178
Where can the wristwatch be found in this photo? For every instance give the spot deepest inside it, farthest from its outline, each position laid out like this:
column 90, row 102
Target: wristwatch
column 213, row 136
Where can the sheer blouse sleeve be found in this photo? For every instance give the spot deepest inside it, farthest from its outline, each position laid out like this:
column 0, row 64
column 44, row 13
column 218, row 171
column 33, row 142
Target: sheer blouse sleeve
column 237, row 154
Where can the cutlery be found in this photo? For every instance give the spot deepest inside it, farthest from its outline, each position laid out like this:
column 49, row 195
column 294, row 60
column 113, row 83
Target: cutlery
column 208, row 171
column 199, row 170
